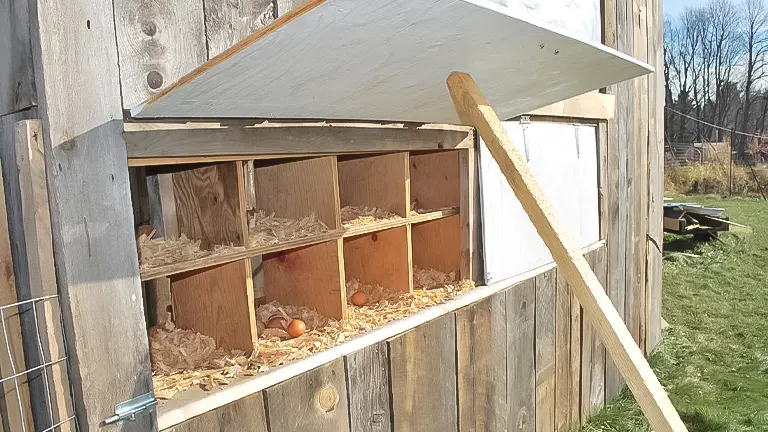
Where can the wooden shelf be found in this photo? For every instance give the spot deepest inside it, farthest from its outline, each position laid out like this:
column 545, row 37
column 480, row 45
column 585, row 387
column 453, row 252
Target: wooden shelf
column 171, row 269
column 387, row 224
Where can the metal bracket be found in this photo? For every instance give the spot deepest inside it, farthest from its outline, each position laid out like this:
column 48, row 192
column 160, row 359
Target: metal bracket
column 127, row 410
column 525, row 121
column 578, row 145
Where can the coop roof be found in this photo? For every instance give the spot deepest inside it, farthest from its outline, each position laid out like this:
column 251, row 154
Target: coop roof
column 388, row 61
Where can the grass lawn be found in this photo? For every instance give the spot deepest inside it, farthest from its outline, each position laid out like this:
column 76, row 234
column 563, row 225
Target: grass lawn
column 713, row 360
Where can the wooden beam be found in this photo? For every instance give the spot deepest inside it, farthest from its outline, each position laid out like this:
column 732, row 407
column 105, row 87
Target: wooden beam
column 17, row 82
column 593, row 105
column 653, row 400
column 237, row 140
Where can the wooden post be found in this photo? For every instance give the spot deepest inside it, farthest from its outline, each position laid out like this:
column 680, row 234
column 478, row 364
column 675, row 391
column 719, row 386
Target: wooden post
column 473, row 109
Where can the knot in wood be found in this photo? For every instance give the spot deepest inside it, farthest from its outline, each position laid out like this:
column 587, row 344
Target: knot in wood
column 327, row 398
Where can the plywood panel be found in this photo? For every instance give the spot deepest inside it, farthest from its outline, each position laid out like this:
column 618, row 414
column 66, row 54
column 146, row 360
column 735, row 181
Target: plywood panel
column 217, row 302
column 378, row 181
column 481, row 349
column 435, row 180
column 521, row 356
column 208, row 205
column 296, row 189
column 419, row 362
column 400, row 80
column 382, row 258
column 312, row 276
column 313, row 401
column 546, row 284
column 563, row 157
column 368, row 389
column 437, row 244
column 158, row 43
column 580, row 18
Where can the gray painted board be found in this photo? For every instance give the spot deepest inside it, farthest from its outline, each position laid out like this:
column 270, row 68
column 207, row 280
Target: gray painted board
column 368, row 389
column 90, row 202
column 17, row 81
column 158, row 42
column 481, row 334
column 419, row 362
column 545, row 350
column 313, row 401
column 229, row 21
column 389, row 61
column 521, row 357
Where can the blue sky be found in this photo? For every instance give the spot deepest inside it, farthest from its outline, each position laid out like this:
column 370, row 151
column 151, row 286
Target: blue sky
column 674, row 7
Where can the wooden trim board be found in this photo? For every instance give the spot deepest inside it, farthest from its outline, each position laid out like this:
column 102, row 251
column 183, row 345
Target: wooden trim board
column 592, row 105
column 195, row 402
column 653, row 400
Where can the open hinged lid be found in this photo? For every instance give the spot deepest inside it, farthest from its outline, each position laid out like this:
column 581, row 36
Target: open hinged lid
column 388, row 61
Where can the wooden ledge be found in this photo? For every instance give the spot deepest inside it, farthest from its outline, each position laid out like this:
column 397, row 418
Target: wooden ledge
column 174, row 143
column 593, row 105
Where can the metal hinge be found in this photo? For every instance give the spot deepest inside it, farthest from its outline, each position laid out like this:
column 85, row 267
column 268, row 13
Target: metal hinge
column 127, row 410
column 524, row 122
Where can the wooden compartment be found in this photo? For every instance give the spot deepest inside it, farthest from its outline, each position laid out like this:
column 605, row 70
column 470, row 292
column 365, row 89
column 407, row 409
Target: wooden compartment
column 437, row 244
column 217, row 302
column 382, row 258
column 435, row 181
column 294, row 190
column 375, row 181
column 311, row 276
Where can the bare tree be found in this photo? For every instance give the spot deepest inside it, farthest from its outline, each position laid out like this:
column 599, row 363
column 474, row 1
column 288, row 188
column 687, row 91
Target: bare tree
column 755, row 41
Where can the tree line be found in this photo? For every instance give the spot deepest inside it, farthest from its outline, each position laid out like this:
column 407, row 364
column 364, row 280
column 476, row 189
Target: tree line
column 716, row 70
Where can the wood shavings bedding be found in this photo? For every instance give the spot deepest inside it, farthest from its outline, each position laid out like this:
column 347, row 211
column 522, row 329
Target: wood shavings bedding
column 352, row 216
column 417, row 210
column 265, row 230
column 190, row 359
column 156, row 252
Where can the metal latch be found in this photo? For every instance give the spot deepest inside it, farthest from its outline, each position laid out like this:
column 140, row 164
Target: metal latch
column 578, row 144
column 127, row 410
column 525, row 121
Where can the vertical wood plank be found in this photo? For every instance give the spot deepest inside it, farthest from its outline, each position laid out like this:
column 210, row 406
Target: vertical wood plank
column 640, row 175
column 162, row 205
column 368, row 389
column 655, row 176
column 313, row 401
column 521, row 357
column 481, row 347
column 422, row 368
column 14, row 400
column 158, row 42
column 562, row 353
column 380, row 258
column 30, row 163
column 17, row 81
column 471, row 246
column 89, row 196
column 546, row 284
column 597, row 384
column 574, row 363
column 228, row 21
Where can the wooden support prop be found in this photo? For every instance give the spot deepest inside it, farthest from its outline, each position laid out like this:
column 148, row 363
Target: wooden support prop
column 473, row 109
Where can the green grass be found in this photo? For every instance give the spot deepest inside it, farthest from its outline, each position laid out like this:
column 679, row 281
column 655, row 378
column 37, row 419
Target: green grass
column 713, row 360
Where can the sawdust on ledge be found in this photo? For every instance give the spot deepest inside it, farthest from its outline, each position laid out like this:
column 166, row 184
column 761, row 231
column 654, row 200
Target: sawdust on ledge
column 156, row 252
column 266, row 230
column 352, row 216
column 417, row 210
column 183, row 358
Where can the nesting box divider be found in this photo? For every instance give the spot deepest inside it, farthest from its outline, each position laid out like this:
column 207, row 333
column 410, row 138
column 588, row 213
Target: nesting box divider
column 216, row 301
column 383, row 258
column 435, row 180
column 311, row 276
column 376, row 181
column 437, row 244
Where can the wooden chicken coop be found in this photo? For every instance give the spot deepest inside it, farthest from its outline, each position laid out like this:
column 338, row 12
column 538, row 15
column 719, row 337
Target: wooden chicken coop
column 209, row 182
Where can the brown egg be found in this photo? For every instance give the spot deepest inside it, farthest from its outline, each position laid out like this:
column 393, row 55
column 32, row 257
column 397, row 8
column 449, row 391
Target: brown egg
column 277, row 321
column 296, row 328
column 359, row 298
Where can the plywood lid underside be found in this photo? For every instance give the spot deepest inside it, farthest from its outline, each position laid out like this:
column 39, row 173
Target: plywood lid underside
column 388, row 61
